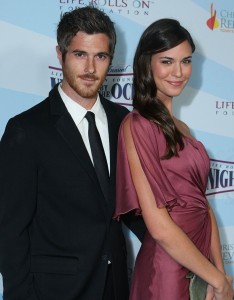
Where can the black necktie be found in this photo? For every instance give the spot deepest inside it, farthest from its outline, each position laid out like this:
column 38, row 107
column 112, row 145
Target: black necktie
column 98, row 154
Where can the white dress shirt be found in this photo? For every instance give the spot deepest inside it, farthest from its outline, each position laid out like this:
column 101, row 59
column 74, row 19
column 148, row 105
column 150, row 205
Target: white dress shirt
column 78, row 113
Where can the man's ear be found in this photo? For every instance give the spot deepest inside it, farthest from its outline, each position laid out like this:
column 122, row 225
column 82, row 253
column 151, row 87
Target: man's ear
column 59, row 55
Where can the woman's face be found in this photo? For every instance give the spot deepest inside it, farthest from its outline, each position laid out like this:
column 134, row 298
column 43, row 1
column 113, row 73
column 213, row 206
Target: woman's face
column 171, row 70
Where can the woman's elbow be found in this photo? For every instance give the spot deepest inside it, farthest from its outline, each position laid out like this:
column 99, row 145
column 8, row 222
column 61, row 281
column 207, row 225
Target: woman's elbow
column 159, row 234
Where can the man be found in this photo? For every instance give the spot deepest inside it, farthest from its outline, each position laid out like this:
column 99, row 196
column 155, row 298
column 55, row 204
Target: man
column 57, row 236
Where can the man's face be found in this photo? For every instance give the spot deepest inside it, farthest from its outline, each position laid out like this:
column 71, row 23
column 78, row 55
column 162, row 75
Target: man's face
column 85, row 66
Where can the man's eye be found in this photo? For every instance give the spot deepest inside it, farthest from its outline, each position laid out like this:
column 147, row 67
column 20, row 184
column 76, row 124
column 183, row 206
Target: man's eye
column 79, row 54
column 102, row 56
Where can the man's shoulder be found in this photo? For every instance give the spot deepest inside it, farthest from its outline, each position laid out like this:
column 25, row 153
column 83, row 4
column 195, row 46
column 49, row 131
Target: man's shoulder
column 40, row 109
column 34, row 111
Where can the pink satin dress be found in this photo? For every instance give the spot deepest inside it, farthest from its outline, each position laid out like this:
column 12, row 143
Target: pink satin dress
column 179, row 184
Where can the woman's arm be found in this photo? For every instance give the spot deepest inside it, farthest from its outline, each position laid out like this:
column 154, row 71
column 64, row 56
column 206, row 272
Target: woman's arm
column 215, row 253
column 163, row 229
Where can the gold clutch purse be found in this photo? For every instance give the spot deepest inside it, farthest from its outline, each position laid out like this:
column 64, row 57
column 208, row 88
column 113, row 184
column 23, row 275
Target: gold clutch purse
column 197, row 287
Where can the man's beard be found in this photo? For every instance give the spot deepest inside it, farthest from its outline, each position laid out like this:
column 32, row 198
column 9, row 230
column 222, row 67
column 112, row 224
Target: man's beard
column 84, row 90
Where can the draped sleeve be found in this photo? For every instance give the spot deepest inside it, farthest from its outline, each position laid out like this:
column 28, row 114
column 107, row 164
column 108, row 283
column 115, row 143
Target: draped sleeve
column 146, row 136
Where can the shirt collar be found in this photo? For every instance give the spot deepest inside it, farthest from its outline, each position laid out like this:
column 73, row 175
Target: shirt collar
column 77, row 111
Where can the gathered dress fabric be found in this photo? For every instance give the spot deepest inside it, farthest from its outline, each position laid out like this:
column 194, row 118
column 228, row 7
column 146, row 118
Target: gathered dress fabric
column 179, row 185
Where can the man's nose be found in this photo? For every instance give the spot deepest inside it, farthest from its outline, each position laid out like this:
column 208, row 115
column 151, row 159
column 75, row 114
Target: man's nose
column 90, row 65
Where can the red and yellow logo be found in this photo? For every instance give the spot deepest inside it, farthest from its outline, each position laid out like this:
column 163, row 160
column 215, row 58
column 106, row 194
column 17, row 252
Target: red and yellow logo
column 212, row 22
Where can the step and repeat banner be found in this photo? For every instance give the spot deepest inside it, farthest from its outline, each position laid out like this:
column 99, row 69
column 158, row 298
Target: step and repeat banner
column 29, row 69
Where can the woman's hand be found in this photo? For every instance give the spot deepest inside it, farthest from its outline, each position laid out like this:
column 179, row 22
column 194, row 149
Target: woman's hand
column 210, row 293
column 225, row 292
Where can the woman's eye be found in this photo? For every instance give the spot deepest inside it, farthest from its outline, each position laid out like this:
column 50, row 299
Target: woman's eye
column 166, row 62
column 187, row 61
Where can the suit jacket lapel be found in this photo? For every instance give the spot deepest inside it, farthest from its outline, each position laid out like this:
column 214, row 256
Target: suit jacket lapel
column 65, row 125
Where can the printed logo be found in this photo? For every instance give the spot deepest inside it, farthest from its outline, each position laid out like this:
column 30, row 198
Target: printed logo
column 137, row 8
column 56, row 75
column 227, row 253
column 227, row 246
column 221, row 177
column 224, row 20
column 212, row 22
column 118, row 85
column 224, row 108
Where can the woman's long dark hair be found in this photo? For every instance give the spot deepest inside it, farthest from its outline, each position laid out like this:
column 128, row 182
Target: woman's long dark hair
column 160, row 36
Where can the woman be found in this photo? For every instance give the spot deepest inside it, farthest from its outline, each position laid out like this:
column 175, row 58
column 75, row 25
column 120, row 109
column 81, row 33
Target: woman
column 162, row 174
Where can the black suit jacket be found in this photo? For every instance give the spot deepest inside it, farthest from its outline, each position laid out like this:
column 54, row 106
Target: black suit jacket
column 56, row 229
